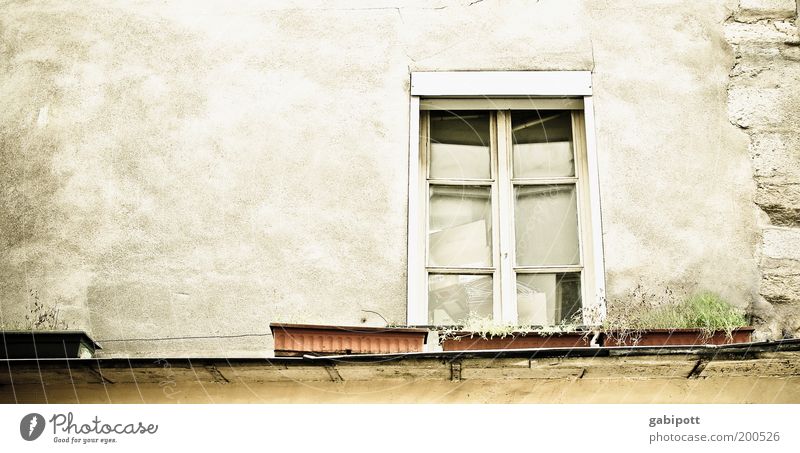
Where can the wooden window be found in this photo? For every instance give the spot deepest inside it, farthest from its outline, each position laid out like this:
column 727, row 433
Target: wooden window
column 502, row 218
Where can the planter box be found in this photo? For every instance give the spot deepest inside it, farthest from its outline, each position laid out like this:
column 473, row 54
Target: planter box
column 467, row 341
column 677, row 337
column 46, row 345
column 292, row 340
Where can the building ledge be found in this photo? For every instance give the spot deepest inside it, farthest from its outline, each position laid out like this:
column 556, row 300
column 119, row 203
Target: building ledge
column 763, row 359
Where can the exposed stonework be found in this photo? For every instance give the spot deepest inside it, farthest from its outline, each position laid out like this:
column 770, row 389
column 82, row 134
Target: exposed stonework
column 781, row 202
column 764, row 101
column 762, row 9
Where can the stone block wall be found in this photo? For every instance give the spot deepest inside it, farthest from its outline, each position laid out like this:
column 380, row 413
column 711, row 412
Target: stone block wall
column 764, row 101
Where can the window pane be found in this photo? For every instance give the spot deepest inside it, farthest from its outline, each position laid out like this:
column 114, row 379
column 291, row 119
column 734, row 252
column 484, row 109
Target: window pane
column 452, row 297
column 548, row 299
column 460, row 145
column 546, row 225
column 460, row 232
column 542, row 143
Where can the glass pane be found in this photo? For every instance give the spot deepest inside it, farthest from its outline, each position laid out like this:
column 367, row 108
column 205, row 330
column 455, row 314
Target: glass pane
column 460, row 145
column 548, row 299
column 542, row 143
column 452, row 297
column 546, row 225
column 460, row 230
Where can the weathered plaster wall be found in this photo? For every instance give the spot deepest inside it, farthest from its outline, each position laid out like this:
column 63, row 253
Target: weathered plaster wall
column 203, row 168
column 675, row 180
column 764, row 101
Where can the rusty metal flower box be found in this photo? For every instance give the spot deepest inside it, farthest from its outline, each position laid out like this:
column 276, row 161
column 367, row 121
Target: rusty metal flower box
column 677, row 337
column 469, row 341
column 292, row 340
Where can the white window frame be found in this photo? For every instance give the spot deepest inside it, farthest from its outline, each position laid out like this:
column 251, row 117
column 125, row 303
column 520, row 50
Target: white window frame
column 509, row 89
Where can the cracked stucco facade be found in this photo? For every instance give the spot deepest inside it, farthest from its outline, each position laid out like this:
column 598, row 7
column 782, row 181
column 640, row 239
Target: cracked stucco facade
column 196, row 168
column 764, row 101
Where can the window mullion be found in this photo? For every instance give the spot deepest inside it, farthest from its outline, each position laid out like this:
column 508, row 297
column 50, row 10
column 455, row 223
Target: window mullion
column 508, row 300
column 496, row 216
